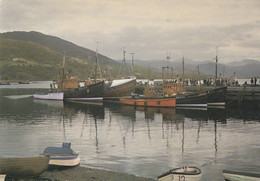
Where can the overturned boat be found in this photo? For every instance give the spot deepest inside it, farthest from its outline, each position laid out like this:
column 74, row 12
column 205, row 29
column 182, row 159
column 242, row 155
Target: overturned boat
column 240, row 176
column 62, row 156
column 186, row 173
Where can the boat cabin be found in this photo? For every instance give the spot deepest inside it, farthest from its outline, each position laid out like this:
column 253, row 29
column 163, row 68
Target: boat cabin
column 68, row 83
column 172, row 88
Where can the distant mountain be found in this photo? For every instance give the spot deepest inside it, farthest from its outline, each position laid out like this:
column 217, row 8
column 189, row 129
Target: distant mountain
column 243, row 62
column 241, row 69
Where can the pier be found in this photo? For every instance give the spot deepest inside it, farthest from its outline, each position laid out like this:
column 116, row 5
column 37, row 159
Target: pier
column 243, row 97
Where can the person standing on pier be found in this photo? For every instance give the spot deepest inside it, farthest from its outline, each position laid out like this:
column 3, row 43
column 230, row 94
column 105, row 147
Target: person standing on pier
column 255, row 81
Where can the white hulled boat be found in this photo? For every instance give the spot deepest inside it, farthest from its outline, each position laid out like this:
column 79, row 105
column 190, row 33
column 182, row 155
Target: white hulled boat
column 50, row 96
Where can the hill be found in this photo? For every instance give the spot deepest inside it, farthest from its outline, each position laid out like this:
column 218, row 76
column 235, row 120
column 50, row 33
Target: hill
column 35, row 56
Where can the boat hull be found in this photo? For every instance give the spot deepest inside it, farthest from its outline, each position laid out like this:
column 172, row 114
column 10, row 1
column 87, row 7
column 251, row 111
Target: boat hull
column 90, row 100
column 240, row 176
column 2, row 177
column 64, row 161
column 23, row 167
column 184, row 173
column 121, row 90
column 217, row 96
column 150, row 102
column 192, row 100
column 50, row 96
column 93, row 90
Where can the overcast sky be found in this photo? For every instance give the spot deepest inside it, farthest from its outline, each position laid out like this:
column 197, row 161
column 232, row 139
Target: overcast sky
column 150, row 28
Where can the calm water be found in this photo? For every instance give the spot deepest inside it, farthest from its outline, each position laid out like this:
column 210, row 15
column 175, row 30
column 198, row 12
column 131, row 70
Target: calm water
column 143, row 142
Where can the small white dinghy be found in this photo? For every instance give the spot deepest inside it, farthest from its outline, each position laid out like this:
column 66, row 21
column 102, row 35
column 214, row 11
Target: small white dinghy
column 50, row 96
column 2, row 177
column 240, row 176
column 62, row 156
column 186, row 173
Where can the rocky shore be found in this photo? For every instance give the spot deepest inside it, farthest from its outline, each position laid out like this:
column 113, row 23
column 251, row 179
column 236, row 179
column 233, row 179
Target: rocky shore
column 83, row 174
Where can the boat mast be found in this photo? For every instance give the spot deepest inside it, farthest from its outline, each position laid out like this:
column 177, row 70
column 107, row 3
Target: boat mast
column 133, row 54
column 95, row 74
column 123, row 64
column 63, row 66
column 149, row 74
column 97, row 65
column 199, row 74
column 183, row 71
column 216, row 70
column 62, row 76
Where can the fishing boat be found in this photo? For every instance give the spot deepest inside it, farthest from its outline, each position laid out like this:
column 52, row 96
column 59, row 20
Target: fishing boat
column 240, row 176
column 217, row 96
column 72, row 89
column 23, row 167
column 50, row 96
column 192, row 100
column 2, row 177
column 186, row 173
column 62, row 156
column 150, row 102
column 120, row 88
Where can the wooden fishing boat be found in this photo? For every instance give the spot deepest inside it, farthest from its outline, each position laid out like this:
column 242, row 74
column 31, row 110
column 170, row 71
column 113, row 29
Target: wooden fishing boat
column 192, row 100
column 217, row 96
column 62, row 156
column 71, row 88
column 186, row 173
column 240, row 176
column 23, row 167
column 120, row 88
column 150, row 102
column 50, row 96
column 2, row 177
column 213, row 97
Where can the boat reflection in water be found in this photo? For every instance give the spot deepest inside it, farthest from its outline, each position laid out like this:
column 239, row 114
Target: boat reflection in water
column 166, row 137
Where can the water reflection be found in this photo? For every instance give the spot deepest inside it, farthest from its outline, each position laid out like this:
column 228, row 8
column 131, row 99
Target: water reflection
column 126, row 138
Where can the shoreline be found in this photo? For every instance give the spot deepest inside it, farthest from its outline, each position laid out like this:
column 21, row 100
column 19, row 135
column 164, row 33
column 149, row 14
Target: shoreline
column 83, row 173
